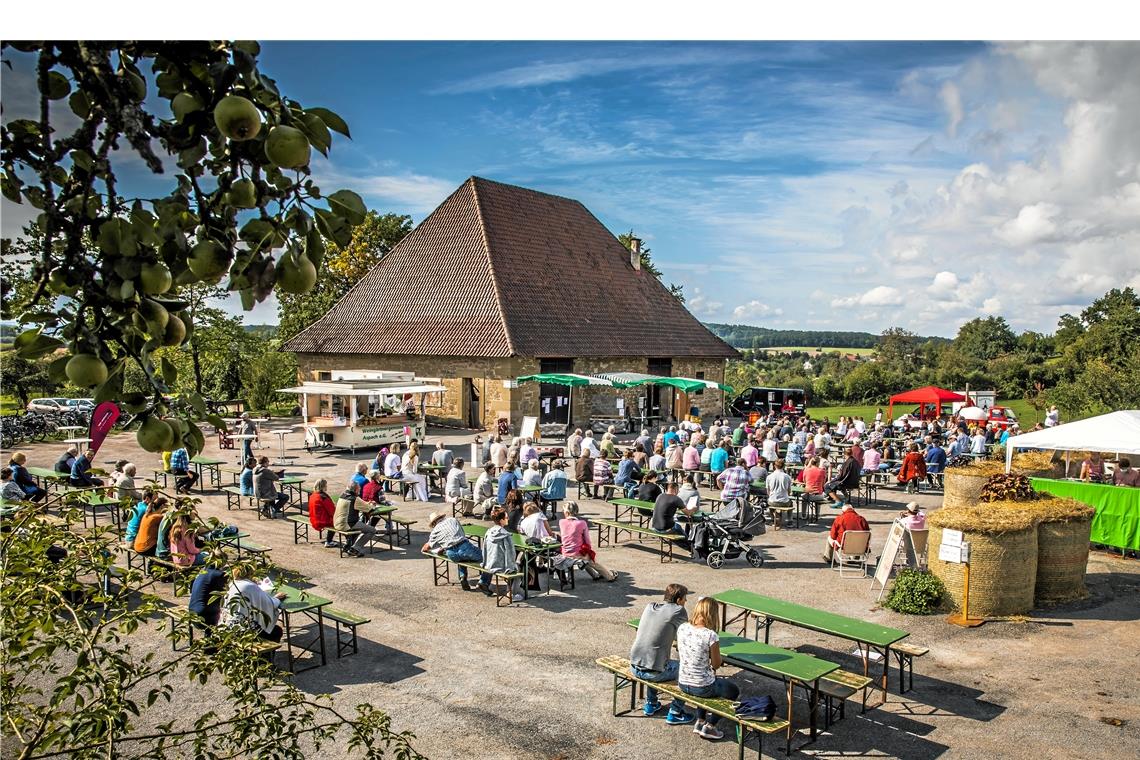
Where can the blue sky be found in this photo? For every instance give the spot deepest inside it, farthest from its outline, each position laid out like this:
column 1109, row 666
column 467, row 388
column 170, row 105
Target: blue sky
column 789, row 185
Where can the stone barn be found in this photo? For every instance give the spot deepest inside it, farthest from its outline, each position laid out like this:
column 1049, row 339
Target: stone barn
column 500, row 282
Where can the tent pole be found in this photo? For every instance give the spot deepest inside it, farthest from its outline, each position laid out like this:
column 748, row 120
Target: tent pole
column 1067, row 452
column 1009, row 454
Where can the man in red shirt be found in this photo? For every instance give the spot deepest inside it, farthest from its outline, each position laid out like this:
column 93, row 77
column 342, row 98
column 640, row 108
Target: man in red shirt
column 847, row 520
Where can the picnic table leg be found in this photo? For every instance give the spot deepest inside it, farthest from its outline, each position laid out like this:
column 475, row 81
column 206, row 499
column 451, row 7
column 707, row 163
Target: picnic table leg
column 289, row 644
column 814, row 706
column 791, row 725
column 321, row 634
column 886, row 674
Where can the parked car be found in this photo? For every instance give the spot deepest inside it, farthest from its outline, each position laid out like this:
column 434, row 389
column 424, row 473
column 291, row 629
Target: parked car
column 81, row 404
column 48, row 404
column 1001, row 417
column 764, row 400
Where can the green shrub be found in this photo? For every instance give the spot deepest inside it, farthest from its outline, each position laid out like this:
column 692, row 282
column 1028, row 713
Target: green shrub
column 915, row 592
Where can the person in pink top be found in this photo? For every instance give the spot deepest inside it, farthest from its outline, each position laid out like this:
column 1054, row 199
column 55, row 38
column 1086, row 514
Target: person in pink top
column 184, row 551
column 750, row 454
column 691, row 459
column 871, row 460
column 575, row 533
column 912, row 518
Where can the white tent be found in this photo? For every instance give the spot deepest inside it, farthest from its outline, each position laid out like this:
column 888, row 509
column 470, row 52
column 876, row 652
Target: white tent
column 1117, row 431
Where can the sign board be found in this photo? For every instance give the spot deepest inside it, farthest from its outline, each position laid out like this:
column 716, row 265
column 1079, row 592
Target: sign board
column 528, row 427
column 955, row 554
column 887, row 558
column 951, row 537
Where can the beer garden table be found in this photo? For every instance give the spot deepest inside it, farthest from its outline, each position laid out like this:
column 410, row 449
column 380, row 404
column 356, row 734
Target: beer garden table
column 867, row 636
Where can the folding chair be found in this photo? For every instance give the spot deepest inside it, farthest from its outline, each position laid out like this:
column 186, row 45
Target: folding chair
column 918, row 542
column 854, row 551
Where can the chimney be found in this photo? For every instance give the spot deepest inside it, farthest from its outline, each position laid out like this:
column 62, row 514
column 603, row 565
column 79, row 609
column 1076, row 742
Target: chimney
column 635, row 252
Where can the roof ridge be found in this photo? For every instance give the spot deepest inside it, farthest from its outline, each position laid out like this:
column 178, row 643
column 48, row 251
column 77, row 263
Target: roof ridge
column 491, row 263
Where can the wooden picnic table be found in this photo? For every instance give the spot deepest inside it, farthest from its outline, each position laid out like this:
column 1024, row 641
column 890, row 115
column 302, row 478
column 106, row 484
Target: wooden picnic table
column 530, row 491
column 867, row 636
column 211, row 465
column 292, row 484
column 530, row 552
column 787, row 665
column 311, row 606
column 48, row 478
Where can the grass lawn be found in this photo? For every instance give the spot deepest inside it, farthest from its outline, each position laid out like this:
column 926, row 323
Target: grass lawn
column 1025, row 413
column 814, row 349
column 10, row 405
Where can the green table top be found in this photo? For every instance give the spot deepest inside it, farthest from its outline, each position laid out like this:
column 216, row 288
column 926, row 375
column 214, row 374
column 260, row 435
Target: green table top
column 756, row 655
column 298, row 600
column 100, row 500
column 811, row 618
column 479, row 531
column 639, row 503
column 529, row 489
column 757, row 488
column 291, row 480
column 44, row 472
column 436, row 467
column 206, row 461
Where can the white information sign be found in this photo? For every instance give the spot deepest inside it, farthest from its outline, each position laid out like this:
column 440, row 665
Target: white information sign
column 956, row 554
column 951, row 537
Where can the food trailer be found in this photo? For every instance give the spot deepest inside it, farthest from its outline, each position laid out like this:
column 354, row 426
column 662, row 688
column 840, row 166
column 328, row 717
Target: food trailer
column 363, row 409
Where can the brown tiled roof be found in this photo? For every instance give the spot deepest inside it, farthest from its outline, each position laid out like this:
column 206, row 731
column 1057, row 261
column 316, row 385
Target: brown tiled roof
column 499, row 270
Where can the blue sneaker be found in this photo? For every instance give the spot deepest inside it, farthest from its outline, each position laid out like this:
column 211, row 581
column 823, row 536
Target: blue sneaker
column 652, row 708
column 837, row 505
column 679, row 719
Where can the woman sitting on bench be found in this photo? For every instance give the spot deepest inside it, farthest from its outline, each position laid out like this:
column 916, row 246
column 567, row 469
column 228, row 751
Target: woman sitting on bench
column 698, row 647
column 247, row 605
column 575, row 533
column 321, row 510
column 499, row 553
column 147, row 539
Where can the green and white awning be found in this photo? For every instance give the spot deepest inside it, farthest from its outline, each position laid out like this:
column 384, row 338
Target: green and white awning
column 686, row 384
column 566, row 378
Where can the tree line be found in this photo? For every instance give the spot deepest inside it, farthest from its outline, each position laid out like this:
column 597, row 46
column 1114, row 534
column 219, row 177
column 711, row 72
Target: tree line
column 1089, row 365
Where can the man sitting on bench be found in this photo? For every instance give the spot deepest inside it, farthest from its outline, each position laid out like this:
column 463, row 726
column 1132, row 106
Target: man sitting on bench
column 846, row 480
column 649, row 656
column 264, row 480
column 665, row 510
column 447, row 538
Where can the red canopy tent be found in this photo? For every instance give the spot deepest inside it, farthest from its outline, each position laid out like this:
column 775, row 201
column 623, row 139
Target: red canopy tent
column 928, row 396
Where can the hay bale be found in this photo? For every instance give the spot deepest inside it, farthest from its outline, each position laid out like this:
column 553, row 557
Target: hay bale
column 1003, row 557
column 1063, row 532
column 963, row 485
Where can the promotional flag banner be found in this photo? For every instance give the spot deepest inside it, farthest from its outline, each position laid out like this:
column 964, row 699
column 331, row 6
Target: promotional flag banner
column 102, row 420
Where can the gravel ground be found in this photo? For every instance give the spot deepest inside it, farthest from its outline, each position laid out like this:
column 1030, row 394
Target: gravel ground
column 475, row 681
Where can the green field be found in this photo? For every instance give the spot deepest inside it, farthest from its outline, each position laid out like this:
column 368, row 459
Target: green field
column 814, row 349
column 1025, row 413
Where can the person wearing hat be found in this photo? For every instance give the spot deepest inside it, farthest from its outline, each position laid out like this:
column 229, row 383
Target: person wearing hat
column 912, row 518
column 447, row 538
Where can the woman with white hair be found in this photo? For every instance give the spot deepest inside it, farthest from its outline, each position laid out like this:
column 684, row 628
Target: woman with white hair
column 409, row 472
column 532, row 476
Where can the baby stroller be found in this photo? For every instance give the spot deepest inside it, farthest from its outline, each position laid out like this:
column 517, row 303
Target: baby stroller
column 723, row 536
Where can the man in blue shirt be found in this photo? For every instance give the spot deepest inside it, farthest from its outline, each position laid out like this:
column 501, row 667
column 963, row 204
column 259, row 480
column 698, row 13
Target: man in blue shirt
column 206, row 596
column 180, row 466
column 670, row 436
column 361, row 476
column 718, row 459
column 508, row 481
column 935, row 463
column 81, row 471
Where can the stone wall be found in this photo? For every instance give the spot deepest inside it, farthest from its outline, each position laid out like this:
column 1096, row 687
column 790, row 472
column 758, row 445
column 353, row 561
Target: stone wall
column 497, row 400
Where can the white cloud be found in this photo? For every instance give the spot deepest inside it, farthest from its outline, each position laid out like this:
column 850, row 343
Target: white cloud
column 881, row 295
column 700, row 305
column 944, row 287
column 399, row 192
column 952, row 102
column 1032, row 225
column 755, row 310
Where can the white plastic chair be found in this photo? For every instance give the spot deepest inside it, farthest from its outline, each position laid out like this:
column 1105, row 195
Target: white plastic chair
column 854, row 552
column 918, row 541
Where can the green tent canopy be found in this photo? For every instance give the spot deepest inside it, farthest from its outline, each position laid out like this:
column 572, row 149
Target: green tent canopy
column 566, row 379
column 686, row 384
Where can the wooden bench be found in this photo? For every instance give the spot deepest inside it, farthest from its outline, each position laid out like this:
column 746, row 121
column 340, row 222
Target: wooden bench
column 787, row 513
column 235, row 499
column 441, row 571
column 836, row 688
column 868, row 491
column 403, row 530
column 177, row 573
column 904, row 654
column 624, row 678
column 300, row 527
column 242, row 545
column 350, row 622
column 163, row 475
column 667, row 539
column 402, row 487
column 463, row 507
column 609, row 489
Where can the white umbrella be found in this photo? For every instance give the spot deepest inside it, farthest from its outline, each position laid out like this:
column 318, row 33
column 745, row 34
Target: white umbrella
column 973, row 413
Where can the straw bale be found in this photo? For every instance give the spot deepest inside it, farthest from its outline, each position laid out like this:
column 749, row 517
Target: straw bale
column 1003, row 565
column 987, row 518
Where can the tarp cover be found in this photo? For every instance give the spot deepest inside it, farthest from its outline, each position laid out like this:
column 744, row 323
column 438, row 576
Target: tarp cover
column 929, row 395
column 567, row 378
column 1115, row 432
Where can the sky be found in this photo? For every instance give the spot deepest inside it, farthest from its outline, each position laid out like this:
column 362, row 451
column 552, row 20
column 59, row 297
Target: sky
column 829, row 185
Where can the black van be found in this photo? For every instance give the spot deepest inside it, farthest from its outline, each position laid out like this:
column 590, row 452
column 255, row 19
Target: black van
column 765, row 400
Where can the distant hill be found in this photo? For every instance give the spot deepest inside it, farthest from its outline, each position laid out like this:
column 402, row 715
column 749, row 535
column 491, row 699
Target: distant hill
column 265, row 331
column 747, row 336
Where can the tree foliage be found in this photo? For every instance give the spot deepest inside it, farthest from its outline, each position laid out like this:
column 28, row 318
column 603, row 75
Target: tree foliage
column 241, row 208
column 75, row 683
column 344, row 266
column 647, row 263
